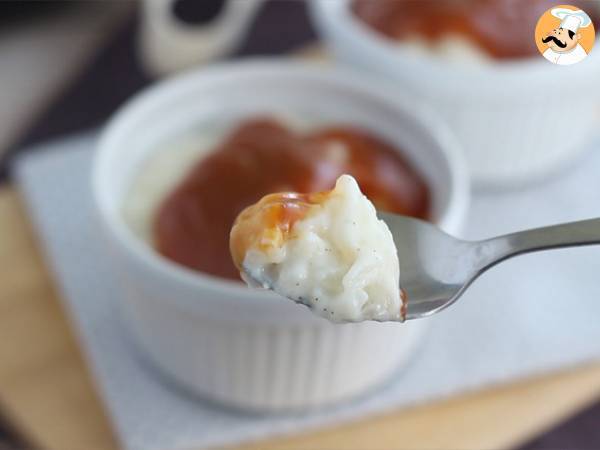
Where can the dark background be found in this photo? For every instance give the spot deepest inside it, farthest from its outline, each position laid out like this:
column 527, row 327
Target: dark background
column 115, row 74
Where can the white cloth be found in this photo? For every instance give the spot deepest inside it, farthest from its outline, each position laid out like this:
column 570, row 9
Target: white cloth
column 566, row 58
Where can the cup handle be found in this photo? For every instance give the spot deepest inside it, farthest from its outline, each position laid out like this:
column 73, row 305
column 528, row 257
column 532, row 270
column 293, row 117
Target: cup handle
column 168, row 44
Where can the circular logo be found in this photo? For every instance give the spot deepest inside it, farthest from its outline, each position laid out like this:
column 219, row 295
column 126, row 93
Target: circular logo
column 565, row 35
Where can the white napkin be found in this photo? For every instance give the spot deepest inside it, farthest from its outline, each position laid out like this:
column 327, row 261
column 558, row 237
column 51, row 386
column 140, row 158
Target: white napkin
column 531, row 315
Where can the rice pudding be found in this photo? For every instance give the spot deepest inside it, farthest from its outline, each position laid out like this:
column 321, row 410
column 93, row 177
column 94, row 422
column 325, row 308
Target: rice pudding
column 326, row 250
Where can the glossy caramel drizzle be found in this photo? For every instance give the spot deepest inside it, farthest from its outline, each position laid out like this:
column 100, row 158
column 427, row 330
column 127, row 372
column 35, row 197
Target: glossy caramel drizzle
column 268, row 224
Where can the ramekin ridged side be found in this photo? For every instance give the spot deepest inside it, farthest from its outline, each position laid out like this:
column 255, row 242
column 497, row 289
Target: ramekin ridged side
column 511, row 144
column 269, row 367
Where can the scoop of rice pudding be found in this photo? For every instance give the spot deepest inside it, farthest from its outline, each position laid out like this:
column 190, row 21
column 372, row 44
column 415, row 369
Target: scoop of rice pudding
column 326, row 250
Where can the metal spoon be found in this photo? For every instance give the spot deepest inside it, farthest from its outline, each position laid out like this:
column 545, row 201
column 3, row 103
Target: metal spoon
column 436, row 268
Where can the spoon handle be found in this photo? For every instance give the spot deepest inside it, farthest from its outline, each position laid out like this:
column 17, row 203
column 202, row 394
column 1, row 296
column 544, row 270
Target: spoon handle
column 572, row 234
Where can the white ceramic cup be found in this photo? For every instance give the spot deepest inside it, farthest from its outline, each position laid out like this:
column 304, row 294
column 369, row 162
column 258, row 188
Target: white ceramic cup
column 167, row 45
column 517, row 121
column 250, row 348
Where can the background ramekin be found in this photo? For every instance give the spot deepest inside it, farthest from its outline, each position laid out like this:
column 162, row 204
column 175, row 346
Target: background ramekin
column 517, row 121
column 249, row 348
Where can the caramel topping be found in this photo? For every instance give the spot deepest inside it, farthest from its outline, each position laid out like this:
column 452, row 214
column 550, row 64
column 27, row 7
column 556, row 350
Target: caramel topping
column 261, row 156
column 268, row 224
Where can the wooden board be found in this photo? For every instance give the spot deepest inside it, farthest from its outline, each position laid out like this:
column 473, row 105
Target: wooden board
column 46, row 390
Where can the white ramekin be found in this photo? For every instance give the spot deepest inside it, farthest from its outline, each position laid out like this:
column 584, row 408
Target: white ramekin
column 249, row 348
column 517, row 121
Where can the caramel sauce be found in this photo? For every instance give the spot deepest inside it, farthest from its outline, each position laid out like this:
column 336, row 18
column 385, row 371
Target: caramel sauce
column 404, row 305
column 268, row 223
column 503, row 28
column 261, row 156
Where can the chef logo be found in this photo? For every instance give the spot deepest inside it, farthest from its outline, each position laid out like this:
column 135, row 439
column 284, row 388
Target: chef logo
column 565, row 35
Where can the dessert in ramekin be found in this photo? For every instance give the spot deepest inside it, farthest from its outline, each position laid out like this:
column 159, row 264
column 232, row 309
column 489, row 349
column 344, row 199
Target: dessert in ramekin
column 517, row 116
column 245, row 348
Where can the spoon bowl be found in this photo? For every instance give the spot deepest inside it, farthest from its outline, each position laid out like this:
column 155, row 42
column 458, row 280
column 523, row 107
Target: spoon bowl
column 436, row 268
